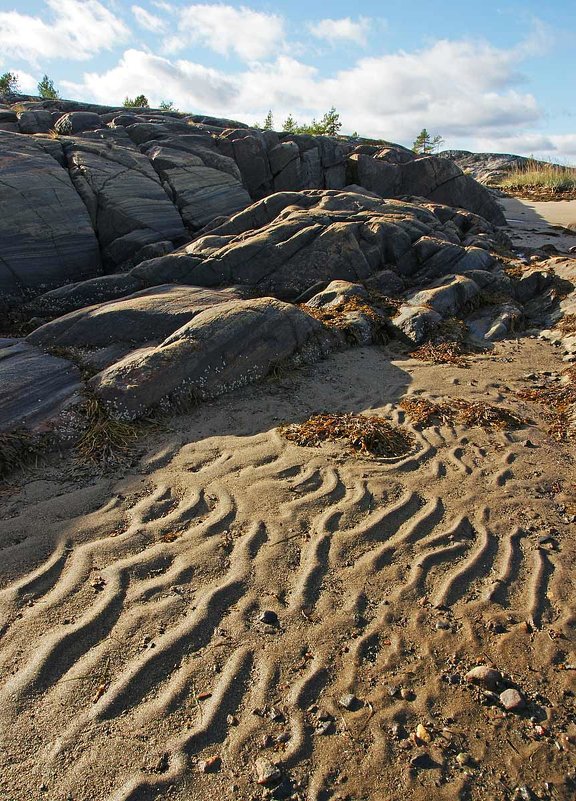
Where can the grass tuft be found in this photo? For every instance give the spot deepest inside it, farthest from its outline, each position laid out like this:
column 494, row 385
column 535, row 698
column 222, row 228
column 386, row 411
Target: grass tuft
column 20, row 448
column 537, row 175
column 370, row 436
column 105, row 440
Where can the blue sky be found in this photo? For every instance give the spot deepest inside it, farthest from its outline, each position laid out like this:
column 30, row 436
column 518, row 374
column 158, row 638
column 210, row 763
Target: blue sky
column 488, row 75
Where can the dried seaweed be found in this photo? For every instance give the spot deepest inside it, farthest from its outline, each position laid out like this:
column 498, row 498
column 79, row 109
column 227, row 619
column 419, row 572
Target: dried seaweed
column 425, row 413
column 559, row 404
column 442, row 353
column 370, row 436
column 567, row 324
column 375, row 311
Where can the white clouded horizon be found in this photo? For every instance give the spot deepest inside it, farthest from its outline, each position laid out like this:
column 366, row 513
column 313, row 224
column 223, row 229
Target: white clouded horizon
column 467, row 90
column 455, row 88
column 77, row 30
column 341, row 30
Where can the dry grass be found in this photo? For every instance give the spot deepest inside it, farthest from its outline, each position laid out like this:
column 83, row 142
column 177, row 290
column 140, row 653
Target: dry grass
column 105, row 440
column 370, row 436
column 20, row 448
column 535, row 175
column 567, row 324
column 424, row 413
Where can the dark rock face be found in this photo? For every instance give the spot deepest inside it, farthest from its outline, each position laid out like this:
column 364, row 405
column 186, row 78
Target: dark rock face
column 227, row 346
column 440, row 180
column 288, row 242
column 46, row 236
column 34, row 386
column 127, row 204
column 147, row 316
column 166, row 247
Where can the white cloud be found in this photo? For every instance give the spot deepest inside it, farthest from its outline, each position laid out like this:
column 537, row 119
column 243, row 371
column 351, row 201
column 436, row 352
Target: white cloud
column 148, row 21
column 251, row 35
column 459, row 89
column 78, row 29
column 190, row 86
column 341, row 30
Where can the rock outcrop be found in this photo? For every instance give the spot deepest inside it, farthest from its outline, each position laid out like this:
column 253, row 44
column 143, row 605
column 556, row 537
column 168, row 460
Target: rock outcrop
column 46, row 236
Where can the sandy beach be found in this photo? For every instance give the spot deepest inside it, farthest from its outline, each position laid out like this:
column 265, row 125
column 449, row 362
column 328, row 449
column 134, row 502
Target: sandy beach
column 132, row 605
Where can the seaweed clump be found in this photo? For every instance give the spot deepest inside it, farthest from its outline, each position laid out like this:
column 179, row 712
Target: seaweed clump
column 370, row 436
column 426, row 413
column 559, row 404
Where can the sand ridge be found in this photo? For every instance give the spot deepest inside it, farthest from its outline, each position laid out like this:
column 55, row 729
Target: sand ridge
column 132, row 651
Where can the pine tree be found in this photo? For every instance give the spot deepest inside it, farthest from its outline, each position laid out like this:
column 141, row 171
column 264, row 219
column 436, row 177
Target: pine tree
column 268, row 122
column 140, row 101
column 9, row 84
column 290, row 124
column 426, row 144
column 46, row 89
column 330, row 123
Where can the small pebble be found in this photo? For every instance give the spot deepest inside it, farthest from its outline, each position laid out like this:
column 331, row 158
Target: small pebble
column 406, row 694
column 269, row 617
column 463, row 758
column 443, row 625
column 210, row 765
column 512, row 700
column 266, row 772
column 348, row 701
column 423, row 734
column 484, row 676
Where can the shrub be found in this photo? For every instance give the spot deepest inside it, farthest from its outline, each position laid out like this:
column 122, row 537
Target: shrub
column 9, row 84
column 46, row 89
column 165, row 105
column 140, row 101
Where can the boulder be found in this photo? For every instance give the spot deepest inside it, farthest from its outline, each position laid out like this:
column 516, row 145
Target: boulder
column 46, row 234
column 201, row 192
column 34, row 122
column 436, row 179
column 77, row 121
column 147, row 316
column 125, row 198
column 34, row 386
column 224, row 347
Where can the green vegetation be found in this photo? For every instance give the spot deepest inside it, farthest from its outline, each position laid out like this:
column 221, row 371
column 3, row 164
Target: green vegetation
column 141, row 101
column 425, row 143
column 538, row 175
column 268, row 122
column 9, row 83
column 46, row 89
column 165, row 105
column 329, row 125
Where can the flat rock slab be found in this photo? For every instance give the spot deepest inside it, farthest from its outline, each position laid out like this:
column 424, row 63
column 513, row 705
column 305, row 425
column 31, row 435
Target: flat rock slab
column 34, row 386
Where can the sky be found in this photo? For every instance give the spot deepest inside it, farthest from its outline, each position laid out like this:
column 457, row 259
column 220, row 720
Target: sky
column 492, row 76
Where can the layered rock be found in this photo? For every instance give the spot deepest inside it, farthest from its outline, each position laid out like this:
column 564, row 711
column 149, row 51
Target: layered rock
column 46, row 236
column 128, row 206
column 35, row 387
column 224, row 347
